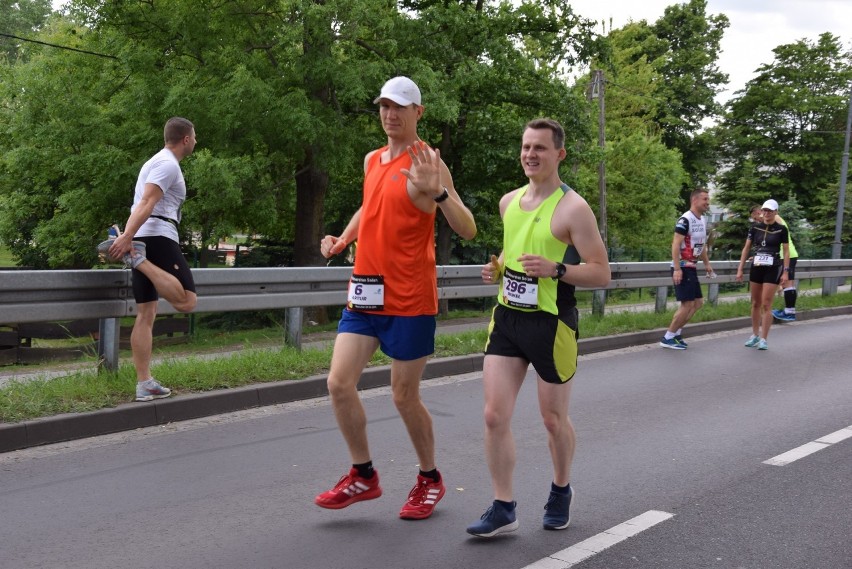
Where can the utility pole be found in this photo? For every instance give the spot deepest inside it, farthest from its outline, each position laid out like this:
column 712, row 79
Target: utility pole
column 841, row 198
column 598, row 90
column 837, row 245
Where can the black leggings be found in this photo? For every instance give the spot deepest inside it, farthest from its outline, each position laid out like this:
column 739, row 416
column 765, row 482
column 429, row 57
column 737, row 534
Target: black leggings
column 164, row 253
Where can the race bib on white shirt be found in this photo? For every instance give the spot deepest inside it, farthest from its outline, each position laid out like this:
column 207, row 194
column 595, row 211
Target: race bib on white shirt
column 366, row 292
column 520, row 290
column 764, row 260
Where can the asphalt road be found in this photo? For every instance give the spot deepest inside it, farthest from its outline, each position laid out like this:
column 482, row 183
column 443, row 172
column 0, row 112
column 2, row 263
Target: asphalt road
column 685, row 434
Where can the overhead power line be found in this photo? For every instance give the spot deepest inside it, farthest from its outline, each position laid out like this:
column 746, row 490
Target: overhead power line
column 65, row 47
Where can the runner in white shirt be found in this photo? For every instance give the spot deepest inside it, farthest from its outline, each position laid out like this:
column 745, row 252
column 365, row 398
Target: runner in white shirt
column 150, row 245
column 688, row 246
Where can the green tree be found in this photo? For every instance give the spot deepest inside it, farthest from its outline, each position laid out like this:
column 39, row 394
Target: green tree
column 643, row 176
column 738, row 200
column 788, row 123
column 691, row 81
column 824, row 222
column 235, row 73
column 20, row 19
column 488, row 68
column 280, row 94
column 800, row 230
column 682, row 47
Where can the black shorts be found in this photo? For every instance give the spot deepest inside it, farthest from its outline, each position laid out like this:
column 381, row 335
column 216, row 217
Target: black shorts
column 767, row 274
column 547, row 341
column 689, row 288
column 164, row 253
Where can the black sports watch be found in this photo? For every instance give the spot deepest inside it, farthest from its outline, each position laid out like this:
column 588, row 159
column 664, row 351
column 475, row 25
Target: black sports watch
column 443, row 196
column 560, row 271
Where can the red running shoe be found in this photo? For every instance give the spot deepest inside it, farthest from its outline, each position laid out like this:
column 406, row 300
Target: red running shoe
column 349, row 489
column 422, row 499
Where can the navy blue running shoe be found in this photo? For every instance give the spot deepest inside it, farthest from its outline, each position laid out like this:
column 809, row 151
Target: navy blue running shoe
column 497, row 519
column 557, row 511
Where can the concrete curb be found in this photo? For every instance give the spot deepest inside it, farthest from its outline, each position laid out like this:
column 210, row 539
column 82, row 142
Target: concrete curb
column 70, row 426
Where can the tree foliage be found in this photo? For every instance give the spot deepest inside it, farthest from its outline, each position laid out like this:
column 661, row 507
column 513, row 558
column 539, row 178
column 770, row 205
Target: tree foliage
column 691, row 81
column 682, row 47
column 280, row 93
column 19, row 20
column 785, row 129
column 643, row 176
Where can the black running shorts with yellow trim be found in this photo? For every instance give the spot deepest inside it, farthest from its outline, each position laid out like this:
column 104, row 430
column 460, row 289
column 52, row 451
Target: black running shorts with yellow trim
column 547, row 341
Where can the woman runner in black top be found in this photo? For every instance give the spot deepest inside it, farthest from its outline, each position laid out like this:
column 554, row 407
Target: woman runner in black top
column 768, row 269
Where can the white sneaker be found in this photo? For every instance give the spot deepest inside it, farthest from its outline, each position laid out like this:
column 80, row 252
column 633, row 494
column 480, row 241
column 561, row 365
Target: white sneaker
column 151, row 389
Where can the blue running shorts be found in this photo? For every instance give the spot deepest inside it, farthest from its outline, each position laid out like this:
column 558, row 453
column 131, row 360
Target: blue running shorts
column 400, row 337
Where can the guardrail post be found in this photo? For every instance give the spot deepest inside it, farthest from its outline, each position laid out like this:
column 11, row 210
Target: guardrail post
column 829, row 286
column 293, row 325
column 598, row 302
column 109, row 330
column 660, row 301
column 713, row 294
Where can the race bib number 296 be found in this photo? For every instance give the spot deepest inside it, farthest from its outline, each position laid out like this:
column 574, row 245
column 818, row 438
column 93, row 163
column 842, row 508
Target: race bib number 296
column 519, row 290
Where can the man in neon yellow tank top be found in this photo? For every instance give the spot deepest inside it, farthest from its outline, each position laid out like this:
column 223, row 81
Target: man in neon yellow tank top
column 393, row 297
column 547, row 229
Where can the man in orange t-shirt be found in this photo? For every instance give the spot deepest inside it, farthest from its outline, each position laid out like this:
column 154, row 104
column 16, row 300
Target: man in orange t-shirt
column 393, row 297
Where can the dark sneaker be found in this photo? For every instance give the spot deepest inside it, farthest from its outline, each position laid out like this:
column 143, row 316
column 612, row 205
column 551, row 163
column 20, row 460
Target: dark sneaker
column 422, row 499
column 681, row 341
column 497, row 519
column 349, row 489
column 150, row 390
column 672, row 344
column 557, row 514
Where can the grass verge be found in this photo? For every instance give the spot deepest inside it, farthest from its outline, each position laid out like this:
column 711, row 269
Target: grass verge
column 88, row 391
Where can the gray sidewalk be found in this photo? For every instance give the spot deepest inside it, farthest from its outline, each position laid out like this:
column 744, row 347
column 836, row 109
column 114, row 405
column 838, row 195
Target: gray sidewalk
column 326, row 339
column 136, row 415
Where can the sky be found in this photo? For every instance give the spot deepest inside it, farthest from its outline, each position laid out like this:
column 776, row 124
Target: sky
column 756, row 27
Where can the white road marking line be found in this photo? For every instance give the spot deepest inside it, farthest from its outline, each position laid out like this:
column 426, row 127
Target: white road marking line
column 597, row 543
column 836, row 436
column 810, row 448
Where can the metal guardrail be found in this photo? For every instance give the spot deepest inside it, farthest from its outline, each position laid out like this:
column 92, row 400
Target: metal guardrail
column 47, row 296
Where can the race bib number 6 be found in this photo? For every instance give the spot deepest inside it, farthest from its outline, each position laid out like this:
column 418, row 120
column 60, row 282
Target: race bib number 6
column 366, row 292
column 520, row 290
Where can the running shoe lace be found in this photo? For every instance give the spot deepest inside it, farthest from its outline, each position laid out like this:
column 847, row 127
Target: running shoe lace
column 418, row 493
column 344, row 482
column 551, row 501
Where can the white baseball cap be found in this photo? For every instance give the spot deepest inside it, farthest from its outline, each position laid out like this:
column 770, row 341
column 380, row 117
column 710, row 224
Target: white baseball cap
column 770, row 204
column 401, row 90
